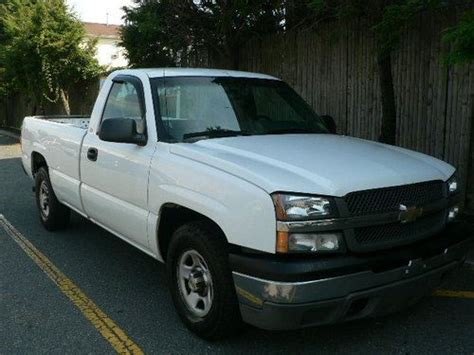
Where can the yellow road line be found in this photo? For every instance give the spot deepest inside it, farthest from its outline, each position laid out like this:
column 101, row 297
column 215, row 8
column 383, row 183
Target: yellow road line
column 119, row 340
column 456, row 294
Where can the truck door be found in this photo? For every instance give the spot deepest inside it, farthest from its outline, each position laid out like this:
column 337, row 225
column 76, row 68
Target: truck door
column 115, row 175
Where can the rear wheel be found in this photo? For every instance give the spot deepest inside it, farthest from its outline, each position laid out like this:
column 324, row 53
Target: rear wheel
column 201, row 281
column 53, row 214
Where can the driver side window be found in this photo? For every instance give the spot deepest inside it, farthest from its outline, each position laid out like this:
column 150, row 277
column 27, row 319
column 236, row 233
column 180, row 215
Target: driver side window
column 124, row 102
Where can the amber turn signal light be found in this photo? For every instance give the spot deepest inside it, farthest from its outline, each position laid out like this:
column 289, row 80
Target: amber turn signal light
column 282, row 242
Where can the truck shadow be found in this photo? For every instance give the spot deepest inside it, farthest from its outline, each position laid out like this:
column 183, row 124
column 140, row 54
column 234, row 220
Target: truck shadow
column 5, row 140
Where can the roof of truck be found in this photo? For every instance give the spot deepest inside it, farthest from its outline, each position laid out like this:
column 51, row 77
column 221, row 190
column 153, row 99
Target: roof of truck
column 169, row 72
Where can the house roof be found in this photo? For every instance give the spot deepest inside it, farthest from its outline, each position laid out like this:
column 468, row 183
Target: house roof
column 102, row 30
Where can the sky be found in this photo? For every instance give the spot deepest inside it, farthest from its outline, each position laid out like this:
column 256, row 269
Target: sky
column 96, row 10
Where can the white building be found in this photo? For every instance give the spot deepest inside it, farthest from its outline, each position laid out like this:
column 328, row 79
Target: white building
column 109, row 53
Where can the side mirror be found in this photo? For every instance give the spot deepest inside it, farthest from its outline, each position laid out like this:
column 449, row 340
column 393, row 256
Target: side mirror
column 121, row 130
column 330, row 123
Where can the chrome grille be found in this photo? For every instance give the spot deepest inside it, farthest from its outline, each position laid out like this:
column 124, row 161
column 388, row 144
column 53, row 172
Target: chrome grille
column 389, row 199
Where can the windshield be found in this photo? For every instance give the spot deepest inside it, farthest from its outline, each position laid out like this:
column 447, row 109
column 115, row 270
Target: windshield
column 193, row 108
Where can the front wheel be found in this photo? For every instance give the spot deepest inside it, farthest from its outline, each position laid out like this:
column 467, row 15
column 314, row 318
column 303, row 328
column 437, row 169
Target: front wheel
column 201, row 281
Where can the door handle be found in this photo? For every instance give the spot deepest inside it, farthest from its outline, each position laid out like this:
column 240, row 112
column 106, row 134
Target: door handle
column 92, row 154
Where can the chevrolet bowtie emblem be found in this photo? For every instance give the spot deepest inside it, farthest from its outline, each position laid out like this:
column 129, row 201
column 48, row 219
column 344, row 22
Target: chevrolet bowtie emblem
column 409, row 214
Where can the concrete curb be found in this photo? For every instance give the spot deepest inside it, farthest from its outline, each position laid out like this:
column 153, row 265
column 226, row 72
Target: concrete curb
column 10, row 134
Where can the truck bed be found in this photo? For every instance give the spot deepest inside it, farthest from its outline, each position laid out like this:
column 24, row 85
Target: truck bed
column 59, row 140
column 73, row 120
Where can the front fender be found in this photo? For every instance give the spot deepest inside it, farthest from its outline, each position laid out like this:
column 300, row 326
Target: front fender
column 243, row 211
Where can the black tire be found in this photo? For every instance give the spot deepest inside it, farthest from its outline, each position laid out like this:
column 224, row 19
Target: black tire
column 56, row 216
column 223, row 319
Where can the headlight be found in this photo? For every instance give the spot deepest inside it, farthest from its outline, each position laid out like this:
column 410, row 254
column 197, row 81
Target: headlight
column 453, row 185
column 296, row 208
column 323, row 242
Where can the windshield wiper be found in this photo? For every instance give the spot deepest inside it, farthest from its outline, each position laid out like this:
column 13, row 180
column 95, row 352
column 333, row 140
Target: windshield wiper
column 213, row 133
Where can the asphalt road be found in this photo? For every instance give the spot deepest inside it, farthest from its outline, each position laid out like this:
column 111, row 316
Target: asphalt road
column 130, row 287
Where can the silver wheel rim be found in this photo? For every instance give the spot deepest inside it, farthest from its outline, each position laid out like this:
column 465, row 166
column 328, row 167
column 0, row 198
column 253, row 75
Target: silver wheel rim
column 44, row 199
column 195, row 283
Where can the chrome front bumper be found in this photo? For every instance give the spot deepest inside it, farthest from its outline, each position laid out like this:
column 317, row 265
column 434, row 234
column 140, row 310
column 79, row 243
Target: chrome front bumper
column 287, row 305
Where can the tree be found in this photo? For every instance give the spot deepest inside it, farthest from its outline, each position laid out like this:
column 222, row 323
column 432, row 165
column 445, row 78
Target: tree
column 3, row 84
column 461, row 39
column 152, row 37
column 168, row 32
column 44, row 51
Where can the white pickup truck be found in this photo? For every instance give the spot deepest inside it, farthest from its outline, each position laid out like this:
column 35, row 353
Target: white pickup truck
column 260, row 211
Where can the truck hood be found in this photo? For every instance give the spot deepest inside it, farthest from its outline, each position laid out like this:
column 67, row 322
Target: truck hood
column 315, row 163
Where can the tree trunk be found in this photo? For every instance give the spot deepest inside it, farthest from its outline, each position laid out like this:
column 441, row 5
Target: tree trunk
column 65, row 101
column 389, row 110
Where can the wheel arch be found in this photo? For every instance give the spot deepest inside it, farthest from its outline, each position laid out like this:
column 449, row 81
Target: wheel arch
column 171, row 216
column 37, row 161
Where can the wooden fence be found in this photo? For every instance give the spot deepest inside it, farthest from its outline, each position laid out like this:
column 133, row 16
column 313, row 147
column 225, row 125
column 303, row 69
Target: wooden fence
column 15, row 108
column 336, row 72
